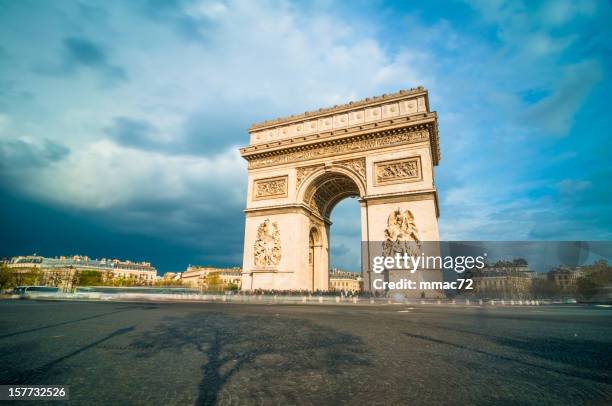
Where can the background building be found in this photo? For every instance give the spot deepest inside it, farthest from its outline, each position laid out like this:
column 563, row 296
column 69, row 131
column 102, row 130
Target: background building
column 340, row 280
column 206, row 277
column 565, row 278
column 504, row 280
column 63, row 270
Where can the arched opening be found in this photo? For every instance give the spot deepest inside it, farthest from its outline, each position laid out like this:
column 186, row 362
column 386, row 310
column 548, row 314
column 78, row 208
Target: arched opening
column 324, row 191
column 345, row 246
column 329, row 189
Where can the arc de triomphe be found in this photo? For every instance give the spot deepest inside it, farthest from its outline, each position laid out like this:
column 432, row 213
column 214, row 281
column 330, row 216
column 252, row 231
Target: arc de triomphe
column 382, row 150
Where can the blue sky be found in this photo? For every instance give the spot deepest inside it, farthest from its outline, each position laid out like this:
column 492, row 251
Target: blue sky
column 120, row 121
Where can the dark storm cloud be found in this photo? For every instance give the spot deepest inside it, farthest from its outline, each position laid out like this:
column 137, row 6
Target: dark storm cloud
column 239, row 64
column 66, row 232
column 172, row 12
column 203, row 133
column 209, row 132
column 18, row 153
column 133, row 133
column 81, row 53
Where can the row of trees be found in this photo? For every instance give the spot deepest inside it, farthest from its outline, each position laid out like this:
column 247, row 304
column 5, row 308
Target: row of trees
column 64, row 278
column 70, row 278
column 9, row 278
column 209, row 283
column 595, row 279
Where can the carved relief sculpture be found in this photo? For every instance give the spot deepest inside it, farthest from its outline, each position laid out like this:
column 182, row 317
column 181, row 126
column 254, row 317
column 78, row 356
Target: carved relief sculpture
column 401, row 234
column 303, row 172
column 345, row 147
column 272, row 188
column 356, row 165
column 396, row 171
column 267, row 245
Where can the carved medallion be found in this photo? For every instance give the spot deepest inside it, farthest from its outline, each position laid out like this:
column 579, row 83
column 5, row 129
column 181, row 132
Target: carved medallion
column 401, row 234
column 267, row 245
column 271, row 188
column 397, row 171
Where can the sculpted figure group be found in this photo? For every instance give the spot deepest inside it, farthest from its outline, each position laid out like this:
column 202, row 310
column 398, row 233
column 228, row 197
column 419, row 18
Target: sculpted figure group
column 267, row 245
column 401, row 234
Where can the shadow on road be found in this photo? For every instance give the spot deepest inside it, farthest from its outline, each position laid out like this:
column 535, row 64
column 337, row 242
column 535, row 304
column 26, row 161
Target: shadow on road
column 262, row 355
column 535, row 349
column 576, row 352
column 67, row 322
column 42, row 374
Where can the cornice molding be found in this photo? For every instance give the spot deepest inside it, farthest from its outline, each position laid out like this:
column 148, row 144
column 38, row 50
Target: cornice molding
column 339, row 108
column 366, row 141
column 374, row 128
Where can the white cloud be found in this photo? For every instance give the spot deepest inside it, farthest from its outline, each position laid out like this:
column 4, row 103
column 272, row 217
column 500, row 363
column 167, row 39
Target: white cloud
column 556, row 112
column 104, row 175
column 253, row 61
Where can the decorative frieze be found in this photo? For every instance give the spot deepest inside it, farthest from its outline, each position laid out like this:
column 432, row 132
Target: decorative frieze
column 270, row 188
column 340, row 147
column 398, row 171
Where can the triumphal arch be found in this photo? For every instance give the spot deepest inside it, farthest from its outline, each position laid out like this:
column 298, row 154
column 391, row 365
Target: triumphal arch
column 381, row 150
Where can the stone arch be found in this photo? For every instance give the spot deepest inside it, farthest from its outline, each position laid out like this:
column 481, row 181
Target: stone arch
column 320, row 192
column 327, row 186
column 381, row 150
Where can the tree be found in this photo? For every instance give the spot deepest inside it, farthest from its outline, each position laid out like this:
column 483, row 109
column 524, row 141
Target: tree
column 213, row 282
column 7, row 279
column 26, row 276
column 168, row 283
column 597, row 276
column 587, row 287
column 90, row 278
column 544, row 287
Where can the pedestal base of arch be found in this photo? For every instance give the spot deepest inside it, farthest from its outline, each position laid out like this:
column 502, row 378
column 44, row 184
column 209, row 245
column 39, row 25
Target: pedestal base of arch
column 303, row 266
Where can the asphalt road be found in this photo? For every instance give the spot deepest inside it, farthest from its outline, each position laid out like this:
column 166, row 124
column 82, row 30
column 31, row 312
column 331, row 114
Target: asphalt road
column 198, row 353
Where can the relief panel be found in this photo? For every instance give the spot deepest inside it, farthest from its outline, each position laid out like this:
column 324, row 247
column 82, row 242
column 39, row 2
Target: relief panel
column 270, row 188
column 398, row 171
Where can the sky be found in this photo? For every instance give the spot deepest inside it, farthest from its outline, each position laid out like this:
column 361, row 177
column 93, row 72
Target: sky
column 120, row 121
